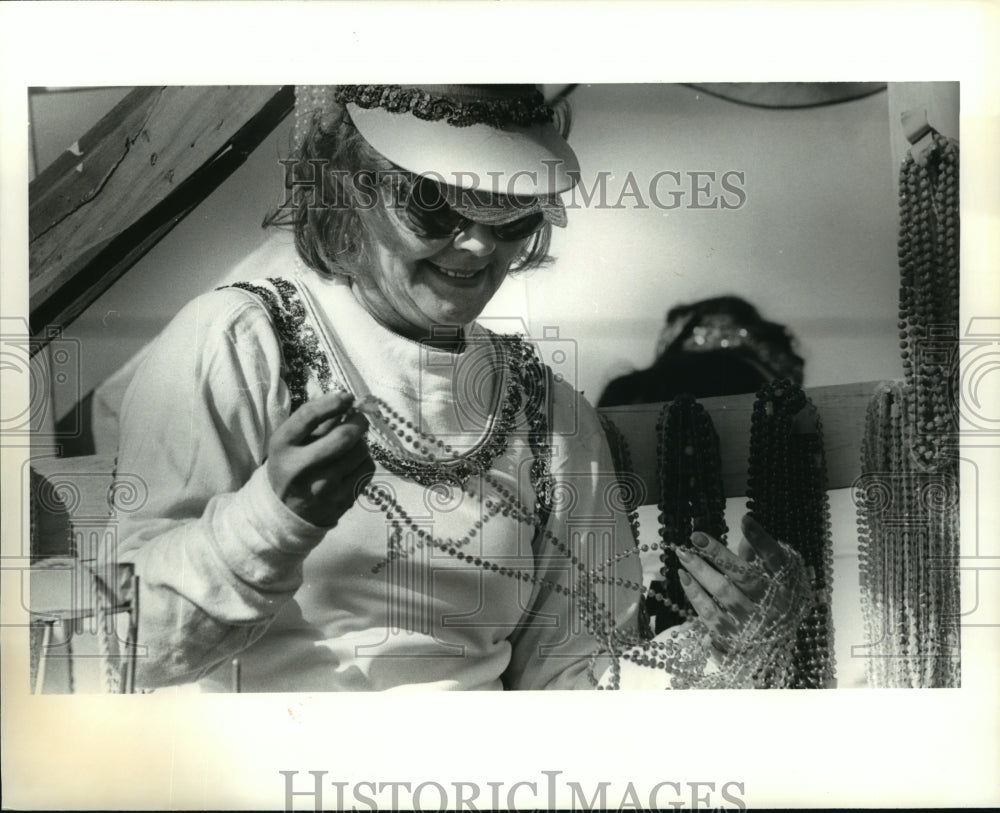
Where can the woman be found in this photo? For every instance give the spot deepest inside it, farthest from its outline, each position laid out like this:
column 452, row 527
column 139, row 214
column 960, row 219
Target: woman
column 353, row 485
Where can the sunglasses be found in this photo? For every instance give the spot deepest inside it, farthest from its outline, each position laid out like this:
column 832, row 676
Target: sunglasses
column 426, row 213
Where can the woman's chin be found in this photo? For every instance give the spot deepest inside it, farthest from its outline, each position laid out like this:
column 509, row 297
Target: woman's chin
column 450, row 316
column 458, row 296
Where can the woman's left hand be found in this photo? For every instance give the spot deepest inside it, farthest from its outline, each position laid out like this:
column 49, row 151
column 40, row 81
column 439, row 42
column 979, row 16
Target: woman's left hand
column 730, row 593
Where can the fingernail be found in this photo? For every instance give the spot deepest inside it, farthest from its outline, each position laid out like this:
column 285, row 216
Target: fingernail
column 700, row 540
column 684, row 554
column 684, row 576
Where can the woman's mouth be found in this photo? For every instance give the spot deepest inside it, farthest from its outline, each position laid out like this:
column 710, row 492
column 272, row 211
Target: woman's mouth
column 458, row 274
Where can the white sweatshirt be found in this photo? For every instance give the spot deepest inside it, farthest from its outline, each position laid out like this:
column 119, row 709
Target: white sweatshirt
column 228, row 571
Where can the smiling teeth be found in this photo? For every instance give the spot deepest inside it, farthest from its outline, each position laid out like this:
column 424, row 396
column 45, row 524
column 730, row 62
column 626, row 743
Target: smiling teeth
column 456, row 274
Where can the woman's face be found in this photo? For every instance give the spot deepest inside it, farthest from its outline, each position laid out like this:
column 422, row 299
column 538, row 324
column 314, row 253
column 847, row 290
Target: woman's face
column 419, row 283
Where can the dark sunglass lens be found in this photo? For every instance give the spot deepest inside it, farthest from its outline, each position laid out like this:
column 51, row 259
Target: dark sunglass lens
column 427, row 195
column 428, row 211
column 521, row 228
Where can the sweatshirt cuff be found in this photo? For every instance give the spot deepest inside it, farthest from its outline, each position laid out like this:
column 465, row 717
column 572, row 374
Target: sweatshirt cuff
column 278, row 524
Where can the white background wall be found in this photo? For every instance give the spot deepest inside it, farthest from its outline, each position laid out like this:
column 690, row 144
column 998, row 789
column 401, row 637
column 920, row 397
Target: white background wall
column 813, row 246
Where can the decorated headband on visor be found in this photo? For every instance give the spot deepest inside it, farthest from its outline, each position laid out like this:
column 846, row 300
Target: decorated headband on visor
column 493, row 150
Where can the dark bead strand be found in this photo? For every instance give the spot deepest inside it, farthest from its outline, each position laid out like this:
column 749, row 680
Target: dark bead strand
column 929, row 293
column 691, row 498
column 787, row 496
column 674, row 606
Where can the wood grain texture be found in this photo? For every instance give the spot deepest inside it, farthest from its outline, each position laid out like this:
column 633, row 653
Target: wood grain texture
column 129, row 180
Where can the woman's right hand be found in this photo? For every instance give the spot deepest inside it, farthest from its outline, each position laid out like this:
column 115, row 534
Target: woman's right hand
column 317, row 461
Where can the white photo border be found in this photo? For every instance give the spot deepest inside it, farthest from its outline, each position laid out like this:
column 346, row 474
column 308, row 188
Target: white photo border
column 807, row 749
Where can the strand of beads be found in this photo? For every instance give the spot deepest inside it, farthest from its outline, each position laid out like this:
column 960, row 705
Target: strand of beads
column 928, row 251
column 908, row 544
column 872, row 496
column 908, row 548
column 593, row 612
column 691, row 499
column 786, row 492
column 112, row 661
column 762, row 644
column 508, row 505
column 767, row 653
column 631, row 491
column 512, row 354
column 632, row 494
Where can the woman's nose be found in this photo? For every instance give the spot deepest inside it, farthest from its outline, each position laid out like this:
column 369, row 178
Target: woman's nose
column 476, row 239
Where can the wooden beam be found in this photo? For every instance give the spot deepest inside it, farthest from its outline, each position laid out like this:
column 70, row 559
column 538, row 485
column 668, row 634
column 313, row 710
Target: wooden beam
column 842, row 410
column 109, row 198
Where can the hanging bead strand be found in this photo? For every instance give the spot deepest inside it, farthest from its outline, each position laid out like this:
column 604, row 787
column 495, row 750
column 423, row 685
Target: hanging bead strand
column 787, row 495
column 907, row 501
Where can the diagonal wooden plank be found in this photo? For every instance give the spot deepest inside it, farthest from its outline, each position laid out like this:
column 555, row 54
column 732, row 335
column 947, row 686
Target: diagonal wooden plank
column 129, row 180
column 80, row 171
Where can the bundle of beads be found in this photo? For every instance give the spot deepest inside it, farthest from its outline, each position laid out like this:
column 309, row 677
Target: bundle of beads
column 786, row 492
column 908, row 553
column 928, row 250
column 586, row 586
column 907, row 497
column 761, row 657
column 632, row 493
column 691, row 499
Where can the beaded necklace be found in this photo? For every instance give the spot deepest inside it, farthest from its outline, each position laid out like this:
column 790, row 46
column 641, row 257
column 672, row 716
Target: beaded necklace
column 304, row 360
column 588, row 578
column 908, row 553
column 761, row 656
column 928, row 252
column 907, row 496
column 691, row 499
column 430, row 461
column 786, row 491
column 631, row 494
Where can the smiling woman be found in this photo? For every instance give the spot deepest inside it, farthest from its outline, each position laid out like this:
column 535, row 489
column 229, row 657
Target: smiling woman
column 355, row 485
column 439, row 253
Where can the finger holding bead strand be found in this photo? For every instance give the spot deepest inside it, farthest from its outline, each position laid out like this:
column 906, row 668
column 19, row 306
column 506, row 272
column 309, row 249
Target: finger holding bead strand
column 767, row 549
column 717, row 580
column 721, row 625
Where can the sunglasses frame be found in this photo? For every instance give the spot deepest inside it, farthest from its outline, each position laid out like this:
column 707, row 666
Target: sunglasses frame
column 450, row 223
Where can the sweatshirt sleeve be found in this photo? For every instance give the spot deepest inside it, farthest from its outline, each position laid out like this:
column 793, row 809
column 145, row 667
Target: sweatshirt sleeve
column 216, row 552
